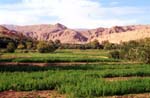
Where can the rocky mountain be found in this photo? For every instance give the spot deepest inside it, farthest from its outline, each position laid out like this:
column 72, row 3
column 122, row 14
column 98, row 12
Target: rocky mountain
column 12, row 34
column 6, row 32
column 58, row 31
column 119, row 34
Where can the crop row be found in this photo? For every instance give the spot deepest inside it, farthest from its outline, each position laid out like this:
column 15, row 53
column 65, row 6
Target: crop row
column 76, row 81
column 58, row 59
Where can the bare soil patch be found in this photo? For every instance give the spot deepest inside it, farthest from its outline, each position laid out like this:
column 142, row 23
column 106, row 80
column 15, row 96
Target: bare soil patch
column 124, row 78
column 54, row 94
column 144, row 95
column 31, row 94
column 58, row 63
column 42, row 64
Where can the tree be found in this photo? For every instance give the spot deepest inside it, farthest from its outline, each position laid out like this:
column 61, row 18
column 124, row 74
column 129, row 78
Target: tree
column 144, row 54
column 51, row 46
column 114, row 54
column 94, row 44
column 21, row 46
column 109, row 46
column 46, row 47
column 29, row 45
column 138, row 50
column 42, row 47
column 11, row 47
column 57, row 43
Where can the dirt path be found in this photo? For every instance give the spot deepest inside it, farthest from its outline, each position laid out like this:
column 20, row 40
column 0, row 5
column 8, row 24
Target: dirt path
column 31, row 94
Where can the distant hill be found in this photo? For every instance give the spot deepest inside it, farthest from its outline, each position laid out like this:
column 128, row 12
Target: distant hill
column 58, row 31
column 12, row 35
column 4, row 32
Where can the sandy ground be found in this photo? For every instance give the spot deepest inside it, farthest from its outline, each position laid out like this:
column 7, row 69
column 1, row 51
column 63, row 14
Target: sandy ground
column 31, row 94
column 144, row 95
column 54, row 94
column 124, row 78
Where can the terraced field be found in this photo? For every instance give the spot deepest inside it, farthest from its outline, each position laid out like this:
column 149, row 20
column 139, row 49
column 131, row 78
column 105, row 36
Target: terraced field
column 59, row 56
column 112, row 78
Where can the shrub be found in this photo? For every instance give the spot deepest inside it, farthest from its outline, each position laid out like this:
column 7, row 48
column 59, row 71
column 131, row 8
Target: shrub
column 57, row 43
column 95, row 44
column 46, row 47
column 3, row 51
column 11, row 47
column 114, row 54
column 22, row 51
column 136, row 50
column 51, row 46
column 29, row 45
column 144, row 55
column 21, row 46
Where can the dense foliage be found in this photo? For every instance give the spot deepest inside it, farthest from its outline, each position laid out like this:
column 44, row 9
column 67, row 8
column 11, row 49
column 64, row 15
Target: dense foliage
column 135, row 50
column 11, row 47
column 114, row 54
column 91, row 45
column 5, row 40
column 46, row 47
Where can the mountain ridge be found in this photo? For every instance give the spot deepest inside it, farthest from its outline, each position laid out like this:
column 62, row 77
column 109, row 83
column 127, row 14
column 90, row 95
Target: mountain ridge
column 115, row 34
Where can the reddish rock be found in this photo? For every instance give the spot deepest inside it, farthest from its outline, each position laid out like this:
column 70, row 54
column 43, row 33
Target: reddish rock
column 67, row 35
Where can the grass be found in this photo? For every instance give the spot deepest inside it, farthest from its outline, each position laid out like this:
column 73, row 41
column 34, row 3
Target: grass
column 59, row 56
column 76, row 81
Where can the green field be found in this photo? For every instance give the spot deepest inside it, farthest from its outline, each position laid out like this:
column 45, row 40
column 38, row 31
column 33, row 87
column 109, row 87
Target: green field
column 59, row 56
column 77, row 81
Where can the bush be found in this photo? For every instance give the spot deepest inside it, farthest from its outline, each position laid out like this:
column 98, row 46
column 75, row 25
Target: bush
column 21, row 46
column 3, row 51
column 95, row 44
column 46, row 47
column 136, row 50
column 144, row 55
column 21, row 51
column 114, row 54
column 11, row 47
column 57, row 43
column 29, row 45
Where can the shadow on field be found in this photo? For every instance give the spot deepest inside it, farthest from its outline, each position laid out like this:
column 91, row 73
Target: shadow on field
column 30, row 68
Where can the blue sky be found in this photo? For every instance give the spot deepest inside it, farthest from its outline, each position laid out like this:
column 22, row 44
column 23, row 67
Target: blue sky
column 136, row 3
column 75, row 13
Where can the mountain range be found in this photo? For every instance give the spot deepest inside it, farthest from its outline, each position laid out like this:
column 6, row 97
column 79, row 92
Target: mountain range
column 58, row 31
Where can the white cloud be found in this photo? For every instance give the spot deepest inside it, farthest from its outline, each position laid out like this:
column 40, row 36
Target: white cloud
column 72, row 13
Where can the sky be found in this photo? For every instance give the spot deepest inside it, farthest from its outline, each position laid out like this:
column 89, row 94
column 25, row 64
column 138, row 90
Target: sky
column 75, row 13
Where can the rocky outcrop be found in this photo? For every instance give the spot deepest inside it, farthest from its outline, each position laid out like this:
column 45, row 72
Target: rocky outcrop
column 3, row 29
column 13, row 34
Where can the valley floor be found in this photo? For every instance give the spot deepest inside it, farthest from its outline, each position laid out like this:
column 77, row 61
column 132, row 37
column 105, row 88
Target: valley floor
column 66, row 75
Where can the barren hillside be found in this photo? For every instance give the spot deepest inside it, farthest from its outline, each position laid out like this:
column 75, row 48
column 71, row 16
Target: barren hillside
column 58, row 31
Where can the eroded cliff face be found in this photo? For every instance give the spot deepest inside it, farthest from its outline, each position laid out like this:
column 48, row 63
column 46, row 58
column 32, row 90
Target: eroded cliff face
column 10, row 33
column 58, row 31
